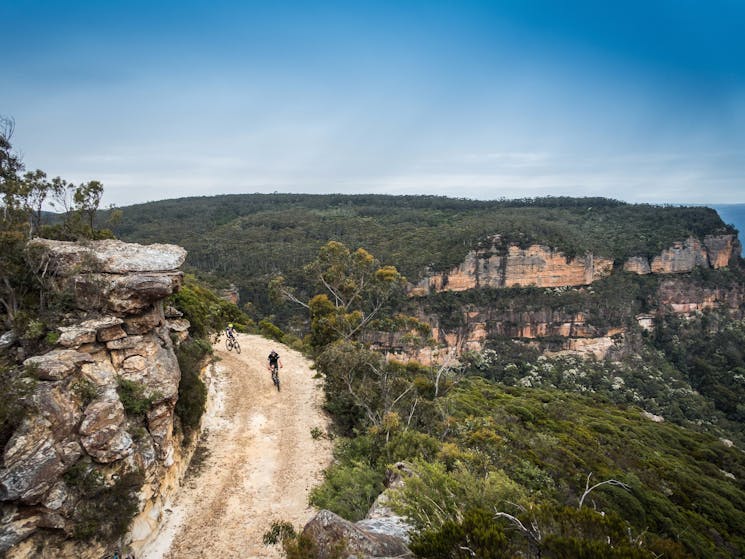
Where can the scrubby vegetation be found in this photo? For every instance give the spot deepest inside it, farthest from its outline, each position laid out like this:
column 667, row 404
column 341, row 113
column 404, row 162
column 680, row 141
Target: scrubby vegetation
column 105, row 509
column 284, row 232
column 505, row 449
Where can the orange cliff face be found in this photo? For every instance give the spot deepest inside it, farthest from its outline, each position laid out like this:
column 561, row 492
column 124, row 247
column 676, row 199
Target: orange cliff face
column 536, row 265
column 684, row 256
column 542, row 266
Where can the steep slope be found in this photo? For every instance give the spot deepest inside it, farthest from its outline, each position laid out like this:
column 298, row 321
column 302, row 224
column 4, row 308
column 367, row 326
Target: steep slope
column 261, row 459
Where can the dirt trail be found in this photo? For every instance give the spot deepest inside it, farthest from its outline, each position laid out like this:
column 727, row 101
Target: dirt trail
column 262, row 460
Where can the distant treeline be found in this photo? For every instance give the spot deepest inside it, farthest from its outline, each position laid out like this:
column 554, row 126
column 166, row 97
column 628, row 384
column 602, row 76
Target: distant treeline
column 248, row 238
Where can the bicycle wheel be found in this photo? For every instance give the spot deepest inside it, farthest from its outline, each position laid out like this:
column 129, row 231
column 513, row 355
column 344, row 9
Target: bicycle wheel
column 228, row 343
column 237, row 346
column 275, row 378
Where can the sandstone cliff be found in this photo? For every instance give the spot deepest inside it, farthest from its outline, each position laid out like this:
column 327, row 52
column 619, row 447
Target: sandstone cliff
column 542, row 266
column 564, row 330
column 81, row 431
column 716, row 251
column 536, row 265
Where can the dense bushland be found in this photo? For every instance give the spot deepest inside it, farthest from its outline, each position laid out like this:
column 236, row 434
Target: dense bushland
column 249, row 239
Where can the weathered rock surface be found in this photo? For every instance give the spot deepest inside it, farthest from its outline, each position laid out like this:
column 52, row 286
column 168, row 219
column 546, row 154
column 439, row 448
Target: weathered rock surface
column 328, row 530
column 57, row 364
column 31, row 464
column 123, row 294
column 120, row 334
column 721, row 249
column 536, row 265
column 15, row 527
column 103, row 435
column 716, row 251
column 109, row 256
column 7, row 340
column 542, row 266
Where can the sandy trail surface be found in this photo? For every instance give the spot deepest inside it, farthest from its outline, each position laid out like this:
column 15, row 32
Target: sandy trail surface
column 261, row 458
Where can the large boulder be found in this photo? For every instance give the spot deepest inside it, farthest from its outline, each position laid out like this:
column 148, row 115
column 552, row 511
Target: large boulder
column 110, row 256
column 329, row 530
column 59, row 407
column 102, row 431
column 101, row 329
column 57, row 364
column 151, row 363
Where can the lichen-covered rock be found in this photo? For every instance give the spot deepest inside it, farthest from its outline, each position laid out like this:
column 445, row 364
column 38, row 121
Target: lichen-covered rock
column 7, row 339
column 57, row 364
column 328, row 531
column 103, row 433
column 160, row 426
column 151, row 363
column 101, row 373
column 143, row 323
column 89, row 331
column 110, row 256
column 31, row 464
column 121, row 333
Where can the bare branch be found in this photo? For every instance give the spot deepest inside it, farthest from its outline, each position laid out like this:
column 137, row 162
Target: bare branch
column 588, row 489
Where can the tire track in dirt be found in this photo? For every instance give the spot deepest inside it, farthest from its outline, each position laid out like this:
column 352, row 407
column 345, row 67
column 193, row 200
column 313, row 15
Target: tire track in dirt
column 261, row 462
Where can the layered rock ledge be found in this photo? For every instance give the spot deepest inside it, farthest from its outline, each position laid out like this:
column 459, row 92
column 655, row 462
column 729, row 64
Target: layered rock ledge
column 79, row 421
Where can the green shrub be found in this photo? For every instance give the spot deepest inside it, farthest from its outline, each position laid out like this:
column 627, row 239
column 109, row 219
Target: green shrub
column 269, row 330
column 132, row 396
column 477, row 535
column 15, row 389
column 192, row 393
column 106, row 512
column 85, row 390
column 348, row 490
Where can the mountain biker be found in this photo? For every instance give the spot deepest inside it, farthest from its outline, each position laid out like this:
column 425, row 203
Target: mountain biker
column 230, row 331
column 273, row 361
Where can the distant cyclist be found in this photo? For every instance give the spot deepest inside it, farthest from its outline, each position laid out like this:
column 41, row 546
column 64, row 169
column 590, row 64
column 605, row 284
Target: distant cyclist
column 230, row 331
column 274, row 362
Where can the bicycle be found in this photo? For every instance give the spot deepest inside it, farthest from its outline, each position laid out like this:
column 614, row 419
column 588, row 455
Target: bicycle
column 275, row 376
column 232, row 344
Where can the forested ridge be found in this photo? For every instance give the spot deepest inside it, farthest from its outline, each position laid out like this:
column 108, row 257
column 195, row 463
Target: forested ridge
column 247, row 239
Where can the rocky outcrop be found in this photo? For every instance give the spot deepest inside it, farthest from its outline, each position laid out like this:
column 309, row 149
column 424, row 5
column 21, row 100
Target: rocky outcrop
column 716, row 251
column 118, row 334
column 381, row 534
column 330, row 531
column 721, row 249
column 536, row 265
column 680, row 297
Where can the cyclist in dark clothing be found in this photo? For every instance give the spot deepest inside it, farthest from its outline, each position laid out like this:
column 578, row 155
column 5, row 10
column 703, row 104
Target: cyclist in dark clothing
column 274, row 361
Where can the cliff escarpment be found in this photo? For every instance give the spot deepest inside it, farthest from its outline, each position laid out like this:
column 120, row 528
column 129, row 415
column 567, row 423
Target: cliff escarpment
column 97, row 434
column 543, row 266
column 581, row 305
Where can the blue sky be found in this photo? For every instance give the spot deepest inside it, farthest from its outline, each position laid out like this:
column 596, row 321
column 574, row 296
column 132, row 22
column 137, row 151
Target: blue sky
column 641, row 101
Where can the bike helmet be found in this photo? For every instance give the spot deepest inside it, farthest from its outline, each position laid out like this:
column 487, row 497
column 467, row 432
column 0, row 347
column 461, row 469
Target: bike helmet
column 230, row 325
